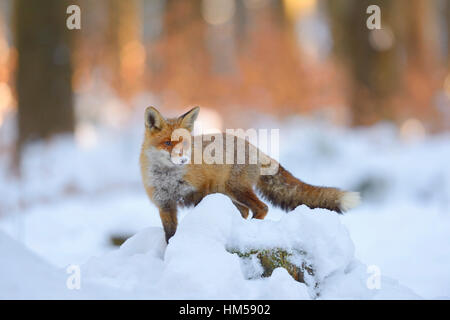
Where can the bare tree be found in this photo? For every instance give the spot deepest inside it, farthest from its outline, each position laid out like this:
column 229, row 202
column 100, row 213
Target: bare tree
column 372, row 57
column 44, row 91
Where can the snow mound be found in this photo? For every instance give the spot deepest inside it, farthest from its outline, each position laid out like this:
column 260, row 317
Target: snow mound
column 24, row 275
column 198, row 264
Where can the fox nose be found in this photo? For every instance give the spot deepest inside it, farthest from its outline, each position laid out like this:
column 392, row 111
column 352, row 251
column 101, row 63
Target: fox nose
column 183, row 160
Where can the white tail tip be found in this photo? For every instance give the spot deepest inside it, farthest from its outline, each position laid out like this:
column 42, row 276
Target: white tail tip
column 349, row 200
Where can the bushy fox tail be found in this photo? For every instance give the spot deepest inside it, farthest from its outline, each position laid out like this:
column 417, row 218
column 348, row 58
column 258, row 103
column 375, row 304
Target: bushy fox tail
column 286, row 191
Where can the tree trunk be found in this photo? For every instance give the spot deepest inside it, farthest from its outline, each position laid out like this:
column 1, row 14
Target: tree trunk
column 372, row 58
column 44, row 91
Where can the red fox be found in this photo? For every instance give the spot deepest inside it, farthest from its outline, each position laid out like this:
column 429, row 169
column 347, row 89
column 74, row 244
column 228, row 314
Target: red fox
column 169, row 184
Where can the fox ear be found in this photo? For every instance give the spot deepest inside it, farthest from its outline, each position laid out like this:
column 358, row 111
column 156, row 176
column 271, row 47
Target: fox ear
column 153, row 119
column 188, row 119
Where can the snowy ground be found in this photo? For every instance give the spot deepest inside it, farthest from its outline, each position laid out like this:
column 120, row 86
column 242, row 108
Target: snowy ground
column 74, row 196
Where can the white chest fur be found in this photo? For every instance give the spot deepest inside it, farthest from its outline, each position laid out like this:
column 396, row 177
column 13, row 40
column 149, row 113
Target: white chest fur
column 166, row 178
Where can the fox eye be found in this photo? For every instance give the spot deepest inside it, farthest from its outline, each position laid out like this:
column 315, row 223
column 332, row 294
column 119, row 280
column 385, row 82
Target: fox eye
column 168, row 143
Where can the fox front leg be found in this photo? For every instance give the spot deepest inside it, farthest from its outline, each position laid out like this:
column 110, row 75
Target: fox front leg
column 168, row 215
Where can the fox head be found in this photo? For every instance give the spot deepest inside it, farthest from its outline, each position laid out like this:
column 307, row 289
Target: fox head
column 161, row 133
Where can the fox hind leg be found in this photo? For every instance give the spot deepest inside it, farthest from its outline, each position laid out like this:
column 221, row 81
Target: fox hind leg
column 242, row 209
column 249, row 199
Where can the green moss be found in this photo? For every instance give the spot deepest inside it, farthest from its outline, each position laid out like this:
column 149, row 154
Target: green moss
column 271, row 259
column 118, row 240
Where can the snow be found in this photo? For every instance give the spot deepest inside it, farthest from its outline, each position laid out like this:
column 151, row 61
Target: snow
column 198, row 265
column 72, row 198
column 24, row 275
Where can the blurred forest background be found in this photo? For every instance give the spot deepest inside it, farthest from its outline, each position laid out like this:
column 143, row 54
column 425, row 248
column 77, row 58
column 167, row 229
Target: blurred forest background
column 359, row 109
column 232, row 56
